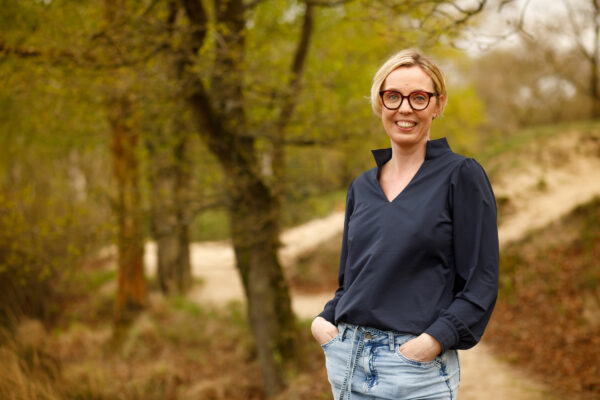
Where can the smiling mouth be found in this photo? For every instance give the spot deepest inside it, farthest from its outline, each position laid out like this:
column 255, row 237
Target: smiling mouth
column 405, row 124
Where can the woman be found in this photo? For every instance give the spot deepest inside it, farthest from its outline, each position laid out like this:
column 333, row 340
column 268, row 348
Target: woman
column 418, row 272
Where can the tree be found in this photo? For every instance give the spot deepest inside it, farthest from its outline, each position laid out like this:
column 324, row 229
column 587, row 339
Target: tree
column 242, row 72
column 566, row 39
column 254, row 208
column 167, row 140
column 120, row 104
column 218, row 96
column 51, row 167
column 169, row 174
column 584, row 22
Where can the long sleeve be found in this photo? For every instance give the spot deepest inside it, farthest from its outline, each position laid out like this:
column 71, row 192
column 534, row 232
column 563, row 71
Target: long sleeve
column 476, row 259
column 329, row 311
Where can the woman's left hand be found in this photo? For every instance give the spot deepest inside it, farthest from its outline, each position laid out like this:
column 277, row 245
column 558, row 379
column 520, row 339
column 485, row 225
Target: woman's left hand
column 423, row 348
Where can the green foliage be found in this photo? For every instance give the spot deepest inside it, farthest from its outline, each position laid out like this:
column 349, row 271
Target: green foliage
column 53, row 200
column 312, row 205
column 210, row 225
column 41, row 242
column 463, row 120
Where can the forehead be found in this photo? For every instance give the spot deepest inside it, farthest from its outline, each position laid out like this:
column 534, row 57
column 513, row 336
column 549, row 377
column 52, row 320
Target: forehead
column 409, row 79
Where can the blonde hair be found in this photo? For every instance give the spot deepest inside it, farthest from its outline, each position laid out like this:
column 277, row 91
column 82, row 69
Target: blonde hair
column 408, row 58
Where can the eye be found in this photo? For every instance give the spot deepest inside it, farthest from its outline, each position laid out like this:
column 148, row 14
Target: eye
column 392, row 96
column 418, row 97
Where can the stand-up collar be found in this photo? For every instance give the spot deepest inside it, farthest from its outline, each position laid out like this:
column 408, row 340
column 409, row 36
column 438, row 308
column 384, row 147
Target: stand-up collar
column 433, row 149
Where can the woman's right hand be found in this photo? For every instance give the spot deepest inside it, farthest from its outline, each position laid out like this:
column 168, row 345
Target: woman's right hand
column 322, row 330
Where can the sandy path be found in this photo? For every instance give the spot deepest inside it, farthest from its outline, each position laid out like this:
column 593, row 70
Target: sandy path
column 214, row 262
column 554, row 176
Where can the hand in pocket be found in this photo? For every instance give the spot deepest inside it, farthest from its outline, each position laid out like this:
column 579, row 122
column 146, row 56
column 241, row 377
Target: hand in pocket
column 423, row 348
column 323, row 331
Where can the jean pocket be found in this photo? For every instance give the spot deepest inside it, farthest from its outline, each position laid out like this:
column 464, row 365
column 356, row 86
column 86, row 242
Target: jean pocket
column 331, row 341
column 423, row 364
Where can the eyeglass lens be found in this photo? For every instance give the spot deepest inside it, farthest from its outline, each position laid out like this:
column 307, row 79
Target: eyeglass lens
column 417, row 100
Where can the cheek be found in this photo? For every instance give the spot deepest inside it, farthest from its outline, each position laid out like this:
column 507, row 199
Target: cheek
column 386, row 116
column 426, row 116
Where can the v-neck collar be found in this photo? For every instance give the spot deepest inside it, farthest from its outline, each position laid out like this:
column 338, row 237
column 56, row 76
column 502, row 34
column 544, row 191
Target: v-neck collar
column 433, row 149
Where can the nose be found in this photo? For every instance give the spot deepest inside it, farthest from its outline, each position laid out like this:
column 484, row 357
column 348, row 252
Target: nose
column 405, row 107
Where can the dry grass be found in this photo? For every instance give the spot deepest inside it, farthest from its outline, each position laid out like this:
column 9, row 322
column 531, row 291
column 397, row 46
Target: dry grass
column 175, row 349
column 27, row 370
column 547, row 315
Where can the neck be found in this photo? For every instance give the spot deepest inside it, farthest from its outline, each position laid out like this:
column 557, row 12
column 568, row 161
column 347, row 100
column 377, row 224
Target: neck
column 406, row 157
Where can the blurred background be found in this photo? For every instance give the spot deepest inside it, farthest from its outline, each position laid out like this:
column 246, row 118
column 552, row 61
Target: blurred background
column 173, row 177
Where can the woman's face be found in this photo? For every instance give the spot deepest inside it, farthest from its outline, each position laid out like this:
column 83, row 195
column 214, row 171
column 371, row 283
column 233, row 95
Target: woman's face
column 405, row 126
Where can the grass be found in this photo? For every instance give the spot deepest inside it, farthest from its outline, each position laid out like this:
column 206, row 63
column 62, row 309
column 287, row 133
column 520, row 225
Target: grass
column 210, row 225
column 317, row 271
column 517, row 140
column 175, row 349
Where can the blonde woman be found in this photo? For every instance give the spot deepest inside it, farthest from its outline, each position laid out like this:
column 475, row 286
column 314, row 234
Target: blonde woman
column 418, row 272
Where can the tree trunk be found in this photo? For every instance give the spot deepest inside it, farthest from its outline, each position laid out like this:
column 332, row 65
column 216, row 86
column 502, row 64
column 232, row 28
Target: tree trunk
column 595, row 61
column 254, row 220
column 170, row 177
column 131, row 286
column 254, row 209
column 170, row 220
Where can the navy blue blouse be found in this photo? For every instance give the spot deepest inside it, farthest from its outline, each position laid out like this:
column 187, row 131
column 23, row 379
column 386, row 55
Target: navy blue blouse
column 427, row 261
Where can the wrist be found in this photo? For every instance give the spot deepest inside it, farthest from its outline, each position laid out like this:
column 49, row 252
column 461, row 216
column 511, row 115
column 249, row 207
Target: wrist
column 433, row 343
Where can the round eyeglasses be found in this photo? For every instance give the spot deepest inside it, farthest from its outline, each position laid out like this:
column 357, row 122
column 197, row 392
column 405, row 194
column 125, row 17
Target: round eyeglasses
column 418, row 101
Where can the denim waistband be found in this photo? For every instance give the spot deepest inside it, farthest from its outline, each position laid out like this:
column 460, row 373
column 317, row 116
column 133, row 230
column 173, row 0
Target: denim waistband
column 362, row 335
column 390, row 337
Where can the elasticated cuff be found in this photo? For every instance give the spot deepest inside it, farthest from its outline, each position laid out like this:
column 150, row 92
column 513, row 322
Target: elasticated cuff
column 445, row 333
column 329, row 315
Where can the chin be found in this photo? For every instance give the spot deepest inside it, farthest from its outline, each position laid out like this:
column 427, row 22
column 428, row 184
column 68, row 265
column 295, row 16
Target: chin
column 408, row 138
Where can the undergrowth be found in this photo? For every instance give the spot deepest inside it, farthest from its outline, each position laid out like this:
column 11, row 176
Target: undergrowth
column 548, row 314
column 175, row 349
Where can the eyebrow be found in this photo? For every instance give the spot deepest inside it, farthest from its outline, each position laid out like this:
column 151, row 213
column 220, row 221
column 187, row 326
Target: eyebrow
column 412, row 91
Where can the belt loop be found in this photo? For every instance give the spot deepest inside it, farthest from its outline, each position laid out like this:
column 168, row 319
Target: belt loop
column 342, row 329
column 391, row 337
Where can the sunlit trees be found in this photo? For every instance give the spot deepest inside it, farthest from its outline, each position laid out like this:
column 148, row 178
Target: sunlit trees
column 275, row 89
column 52, row 214
column 222, row 96
column 584, row 23
column 550, row 74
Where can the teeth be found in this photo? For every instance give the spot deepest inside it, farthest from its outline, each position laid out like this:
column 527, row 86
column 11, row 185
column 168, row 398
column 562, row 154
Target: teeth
column 405, row 124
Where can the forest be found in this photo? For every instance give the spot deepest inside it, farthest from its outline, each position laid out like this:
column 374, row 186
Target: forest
column 138, row 136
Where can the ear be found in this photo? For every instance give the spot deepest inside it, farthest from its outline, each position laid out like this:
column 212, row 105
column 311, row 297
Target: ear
column 440, row 105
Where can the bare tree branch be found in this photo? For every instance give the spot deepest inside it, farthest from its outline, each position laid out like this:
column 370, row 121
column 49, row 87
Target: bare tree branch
column 504, row 3
column 84, row 59
column 468, row 14
column 324, row 3
column 22, row 52
column 577, row 34
column 296, row 70
column 199, row 18
column 289, row 97
column 251, row 4
column 297, row 142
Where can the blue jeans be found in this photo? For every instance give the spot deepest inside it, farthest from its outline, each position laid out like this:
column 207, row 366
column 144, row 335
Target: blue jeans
column 366, row 363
